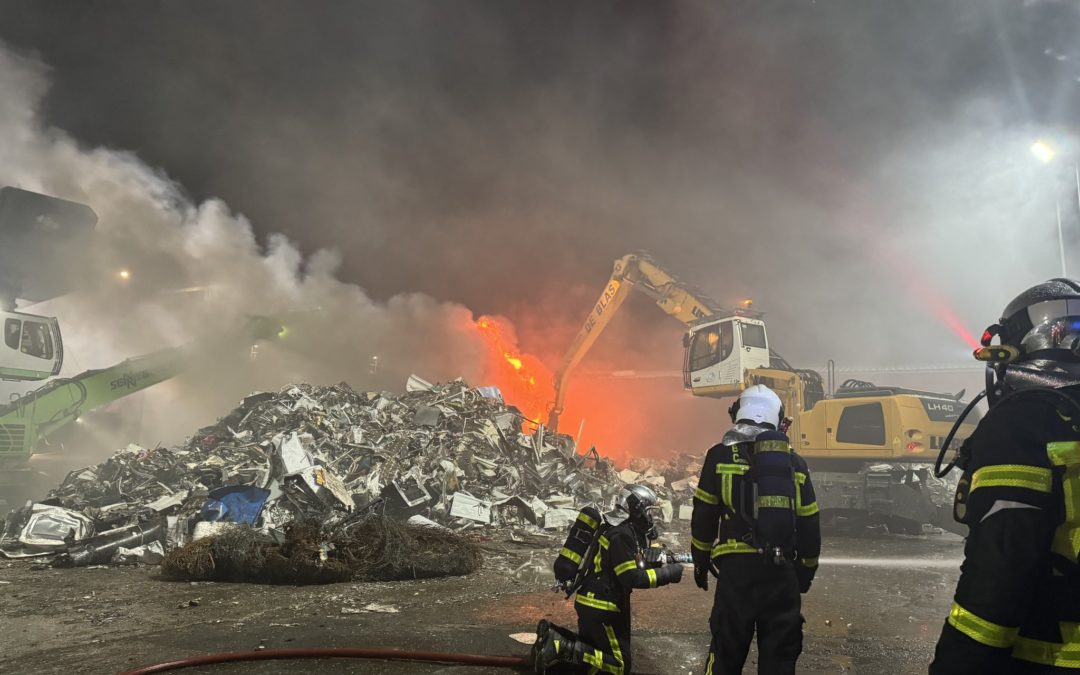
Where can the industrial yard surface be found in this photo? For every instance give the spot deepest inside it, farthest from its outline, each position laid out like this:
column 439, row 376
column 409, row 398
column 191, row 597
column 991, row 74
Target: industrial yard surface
column 876, row 606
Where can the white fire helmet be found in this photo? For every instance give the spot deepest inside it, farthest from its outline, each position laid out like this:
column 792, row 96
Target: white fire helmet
column 759, row 404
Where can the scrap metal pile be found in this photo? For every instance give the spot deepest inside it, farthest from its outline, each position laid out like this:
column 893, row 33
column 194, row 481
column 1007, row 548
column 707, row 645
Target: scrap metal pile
column 440, row 455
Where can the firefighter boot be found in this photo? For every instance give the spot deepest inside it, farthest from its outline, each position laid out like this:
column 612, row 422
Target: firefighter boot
column 553, row 648
column 542, row 630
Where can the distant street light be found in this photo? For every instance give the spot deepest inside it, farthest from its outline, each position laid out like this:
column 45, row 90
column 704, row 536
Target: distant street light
column 1045, row 153
column 124, row 274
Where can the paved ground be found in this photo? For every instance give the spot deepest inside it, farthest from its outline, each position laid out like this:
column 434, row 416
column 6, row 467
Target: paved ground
column 876, row 606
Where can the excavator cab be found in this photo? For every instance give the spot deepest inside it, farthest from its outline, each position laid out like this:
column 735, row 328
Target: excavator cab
column 31, row 348
column 43, row 242
column 720, row 351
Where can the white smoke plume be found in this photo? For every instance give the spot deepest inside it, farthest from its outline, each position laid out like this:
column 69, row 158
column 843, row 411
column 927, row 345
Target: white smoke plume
column 166, row 242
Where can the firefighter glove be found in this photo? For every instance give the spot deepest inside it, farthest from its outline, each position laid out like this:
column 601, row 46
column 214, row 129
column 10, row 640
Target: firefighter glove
column 673, row 572
column 805, row 575
column 653, row 556
column 701, row 577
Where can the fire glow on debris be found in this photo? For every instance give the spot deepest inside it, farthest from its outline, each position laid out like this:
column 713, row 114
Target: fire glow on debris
column 524, row 381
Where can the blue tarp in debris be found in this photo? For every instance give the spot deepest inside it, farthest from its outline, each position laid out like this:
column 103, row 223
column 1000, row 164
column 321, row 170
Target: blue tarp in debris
column 235, row 504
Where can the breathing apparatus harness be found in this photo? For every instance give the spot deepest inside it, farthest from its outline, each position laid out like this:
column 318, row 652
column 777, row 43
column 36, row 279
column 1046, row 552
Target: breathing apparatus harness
column 742, row 435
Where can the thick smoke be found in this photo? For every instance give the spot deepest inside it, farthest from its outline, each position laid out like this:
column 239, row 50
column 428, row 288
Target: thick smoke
column 861, row 168
column 169, row 245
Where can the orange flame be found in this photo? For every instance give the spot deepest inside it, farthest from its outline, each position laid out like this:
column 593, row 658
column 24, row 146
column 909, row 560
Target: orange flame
column 524, row 381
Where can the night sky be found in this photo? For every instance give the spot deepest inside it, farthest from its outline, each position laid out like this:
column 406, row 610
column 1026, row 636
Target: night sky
column 859, row 168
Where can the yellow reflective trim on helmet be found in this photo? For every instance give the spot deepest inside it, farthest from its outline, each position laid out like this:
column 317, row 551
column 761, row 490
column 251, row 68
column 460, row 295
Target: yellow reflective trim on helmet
column 1061, row 654
column 625, row 567
column 1036, row 478
column 980, row 630
column 706, row 497
column 809, row 562
column 700, row 545
column 732, row 546
column 773, row 502
column 588, row 520
column 652, row 577
column 574, row 557
column 773, row 446
column 590, row 600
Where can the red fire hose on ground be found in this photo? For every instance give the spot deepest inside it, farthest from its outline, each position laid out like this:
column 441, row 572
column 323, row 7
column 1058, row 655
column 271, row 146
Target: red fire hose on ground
column 519, row 663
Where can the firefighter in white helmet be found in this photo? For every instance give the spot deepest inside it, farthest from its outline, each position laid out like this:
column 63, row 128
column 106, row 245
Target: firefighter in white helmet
column 755, row 527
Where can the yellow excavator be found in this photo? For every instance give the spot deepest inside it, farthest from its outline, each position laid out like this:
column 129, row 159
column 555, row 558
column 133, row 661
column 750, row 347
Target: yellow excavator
column 871, row 447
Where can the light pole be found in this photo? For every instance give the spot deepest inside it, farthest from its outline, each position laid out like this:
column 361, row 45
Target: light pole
column 1045, row 153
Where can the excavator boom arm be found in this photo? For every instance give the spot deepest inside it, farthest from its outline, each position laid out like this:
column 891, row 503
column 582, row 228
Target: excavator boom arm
column 26, row 423
column 671, row 295
column 630, row 271
column 615, row 293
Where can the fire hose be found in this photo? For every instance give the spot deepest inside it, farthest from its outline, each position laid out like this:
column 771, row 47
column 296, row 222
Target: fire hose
column 518, row 663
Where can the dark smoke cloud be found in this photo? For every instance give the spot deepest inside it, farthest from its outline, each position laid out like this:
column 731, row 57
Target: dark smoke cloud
column 170, row 245
column 860, row 168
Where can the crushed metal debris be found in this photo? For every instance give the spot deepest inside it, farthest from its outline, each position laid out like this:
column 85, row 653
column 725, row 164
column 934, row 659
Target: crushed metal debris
column 447, row 458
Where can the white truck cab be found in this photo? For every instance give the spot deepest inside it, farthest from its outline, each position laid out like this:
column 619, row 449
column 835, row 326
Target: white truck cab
column 30, row 346
column 720, row 351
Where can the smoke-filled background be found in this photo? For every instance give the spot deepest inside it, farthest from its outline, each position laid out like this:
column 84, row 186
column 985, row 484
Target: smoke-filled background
column 860, row 168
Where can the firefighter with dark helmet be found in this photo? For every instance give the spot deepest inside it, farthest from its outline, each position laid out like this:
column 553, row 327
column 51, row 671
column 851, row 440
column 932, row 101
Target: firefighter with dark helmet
column 602, row 643
column 1017, row 603
column 755, row 527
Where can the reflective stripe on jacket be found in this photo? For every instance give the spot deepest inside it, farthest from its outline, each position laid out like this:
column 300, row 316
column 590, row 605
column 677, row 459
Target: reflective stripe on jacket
column 1019, row 590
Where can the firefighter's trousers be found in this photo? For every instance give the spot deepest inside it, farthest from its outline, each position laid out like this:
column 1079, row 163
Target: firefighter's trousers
column 606, row 638
column 752, row 592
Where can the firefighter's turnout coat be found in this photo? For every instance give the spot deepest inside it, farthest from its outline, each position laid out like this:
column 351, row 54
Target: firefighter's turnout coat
column 1017, row 603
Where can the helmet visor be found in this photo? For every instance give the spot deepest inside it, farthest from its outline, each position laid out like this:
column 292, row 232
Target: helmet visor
column 1055, row 327
column 652, row 514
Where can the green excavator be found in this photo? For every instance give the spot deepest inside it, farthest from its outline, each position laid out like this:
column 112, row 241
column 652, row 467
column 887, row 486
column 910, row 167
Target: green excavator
column 30, row 423
column 41, row 238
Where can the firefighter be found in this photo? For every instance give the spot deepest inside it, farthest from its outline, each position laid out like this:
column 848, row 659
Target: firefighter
column 755, row 527
column 602, row 643
column 1017, row 603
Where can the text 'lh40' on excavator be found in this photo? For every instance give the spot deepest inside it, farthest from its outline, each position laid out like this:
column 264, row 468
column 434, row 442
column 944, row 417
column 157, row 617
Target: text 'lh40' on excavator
column 870, row 447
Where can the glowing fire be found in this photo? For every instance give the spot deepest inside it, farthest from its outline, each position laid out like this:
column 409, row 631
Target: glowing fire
column 524, row 381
